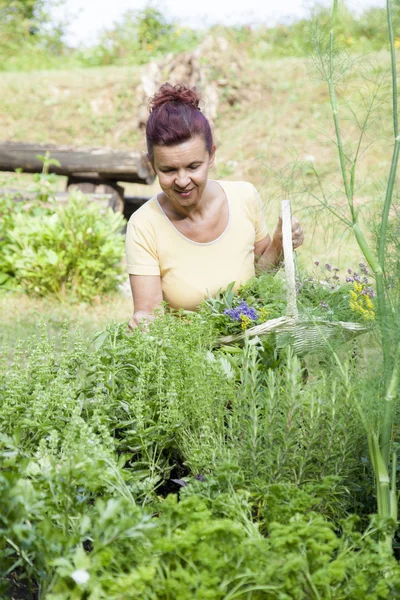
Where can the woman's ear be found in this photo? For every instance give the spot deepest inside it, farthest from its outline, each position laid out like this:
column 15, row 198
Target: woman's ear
column 212, row 156
column 150, row 158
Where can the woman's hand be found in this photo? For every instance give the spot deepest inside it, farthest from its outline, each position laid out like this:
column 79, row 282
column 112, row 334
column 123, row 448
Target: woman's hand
column 297, row 234
column 269, row 251
column 140, row 316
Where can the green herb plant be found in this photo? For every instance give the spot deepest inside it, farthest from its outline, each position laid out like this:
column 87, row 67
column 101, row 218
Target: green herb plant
column 70, row 251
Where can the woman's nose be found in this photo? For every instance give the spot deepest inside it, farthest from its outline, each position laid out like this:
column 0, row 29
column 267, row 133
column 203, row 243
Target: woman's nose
column 182, row 179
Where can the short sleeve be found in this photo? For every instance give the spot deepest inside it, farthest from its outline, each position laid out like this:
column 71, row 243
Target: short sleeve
column 141, row 251
column 258, row 215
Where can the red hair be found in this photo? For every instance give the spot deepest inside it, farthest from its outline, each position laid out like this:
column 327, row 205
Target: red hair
column 175, row 117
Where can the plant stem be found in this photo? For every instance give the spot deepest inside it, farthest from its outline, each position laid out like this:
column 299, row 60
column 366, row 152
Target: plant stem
column 335, row 112
column 382, row 305
column 381, row 476
column 390, row 401
column 366, row 250
column 393, row 491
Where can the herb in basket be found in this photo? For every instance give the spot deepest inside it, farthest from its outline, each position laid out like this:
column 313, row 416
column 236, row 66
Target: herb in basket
column 323, row 294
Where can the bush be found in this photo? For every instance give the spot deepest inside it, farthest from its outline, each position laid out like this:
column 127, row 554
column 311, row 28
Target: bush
column 29, row 39
column 139, row 37
column 72, row 251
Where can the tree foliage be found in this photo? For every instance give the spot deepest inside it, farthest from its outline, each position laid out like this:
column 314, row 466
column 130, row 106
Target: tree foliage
column 27, row 29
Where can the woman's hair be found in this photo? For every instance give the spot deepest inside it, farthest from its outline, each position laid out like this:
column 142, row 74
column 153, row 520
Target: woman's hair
column 175, row 117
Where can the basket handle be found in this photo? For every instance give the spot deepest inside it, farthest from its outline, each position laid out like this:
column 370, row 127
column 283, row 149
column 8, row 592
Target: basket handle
column 291, row 306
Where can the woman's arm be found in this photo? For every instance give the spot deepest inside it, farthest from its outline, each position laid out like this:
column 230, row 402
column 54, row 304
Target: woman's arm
column 147, row 295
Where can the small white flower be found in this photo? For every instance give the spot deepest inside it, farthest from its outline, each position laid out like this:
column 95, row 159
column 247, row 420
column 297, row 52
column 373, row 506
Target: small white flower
column 80, row 576
column 309, row 158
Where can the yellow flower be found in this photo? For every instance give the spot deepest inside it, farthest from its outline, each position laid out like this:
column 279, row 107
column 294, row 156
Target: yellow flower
column 360, row 302
column 263, row 314
column 397, row 42
column 246, row 321
column 368, row 303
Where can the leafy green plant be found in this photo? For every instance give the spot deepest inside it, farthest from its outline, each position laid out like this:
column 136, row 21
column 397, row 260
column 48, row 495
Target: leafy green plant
column 43, row 185
column 73, row 251
column 284, row 431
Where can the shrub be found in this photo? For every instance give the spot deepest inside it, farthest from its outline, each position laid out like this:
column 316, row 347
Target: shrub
column 73, row 251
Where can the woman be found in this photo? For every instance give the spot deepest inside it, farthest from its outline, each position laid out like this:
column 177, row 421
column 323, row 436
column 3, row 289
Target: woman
column 198, row 234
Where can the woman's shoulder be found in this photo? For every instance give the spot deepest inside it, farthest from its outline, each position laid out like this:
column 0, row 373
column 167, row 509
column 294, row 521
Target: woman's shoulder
column 236, row 186
column 243, row 192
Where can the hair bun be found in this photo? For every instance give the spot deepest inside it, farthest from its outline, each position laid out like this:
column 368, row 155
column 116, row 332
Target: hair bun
column 178, row 93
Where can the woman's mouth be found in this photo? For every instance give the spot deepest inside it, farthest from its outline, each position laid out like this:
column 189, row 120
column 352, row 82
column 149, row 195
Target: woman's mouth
column 185, row 193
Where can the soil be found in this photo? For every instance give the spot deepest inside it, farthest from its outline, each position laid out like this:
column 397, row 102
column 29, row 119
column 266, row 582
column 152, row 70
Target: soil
column 19, row 590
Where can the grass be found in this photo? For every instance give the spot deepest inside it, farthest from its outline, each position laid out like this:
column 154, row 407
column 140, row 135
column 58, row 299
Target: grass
column 22, row 317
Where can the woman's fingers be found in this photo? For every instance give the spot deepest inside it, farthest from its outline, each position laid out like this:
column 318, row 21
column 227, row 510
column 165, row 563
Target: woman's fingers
column 141, row 317
column 297, row 233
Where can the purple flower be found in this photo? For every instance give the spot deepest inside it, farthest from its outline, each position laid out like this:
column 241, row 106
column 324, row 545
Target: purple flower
column 365, row 280
column 363, row 268
column 349, row 271
column 336, row 269
column 242, row 310
column 356, row 277
column 316, row 263
column 349, row 280
column 328, row 267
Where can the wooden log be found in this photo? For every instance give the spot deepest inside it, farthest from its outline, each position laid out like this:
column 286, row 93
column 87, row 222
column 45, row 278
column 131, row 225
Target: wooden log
column 96, row 187
column 131, row 203
column 93, row 163
column 59, row 197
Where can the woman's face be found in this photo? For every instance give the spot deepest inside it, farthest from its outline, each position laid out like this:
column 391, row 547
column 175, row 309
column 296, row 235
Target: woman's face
column 183, row 170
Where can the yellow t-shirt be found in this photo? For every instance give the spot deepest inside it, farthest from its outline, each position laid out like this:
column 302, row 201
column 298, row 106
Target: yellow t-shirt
column 190, row 270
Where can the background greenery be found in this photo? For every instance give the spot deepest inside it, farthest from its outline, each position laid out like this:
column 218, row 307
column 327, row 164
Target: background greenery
column 31, row 39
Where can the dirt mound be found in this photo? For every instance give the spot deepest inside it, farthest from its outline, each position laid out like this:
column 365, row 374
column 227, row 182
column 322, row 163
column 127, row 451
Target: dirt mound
column 214, row 68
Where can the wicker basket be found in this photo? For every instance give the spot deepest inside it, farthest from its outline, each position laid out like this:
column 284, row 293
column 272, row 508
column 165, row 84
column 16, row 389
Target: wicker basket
column 302, row 333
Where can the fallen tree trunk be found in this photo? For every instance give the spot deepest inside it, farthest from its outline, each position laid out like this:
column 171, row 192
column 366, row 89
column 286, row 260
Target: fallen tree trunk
column 94, row 163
